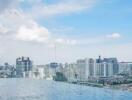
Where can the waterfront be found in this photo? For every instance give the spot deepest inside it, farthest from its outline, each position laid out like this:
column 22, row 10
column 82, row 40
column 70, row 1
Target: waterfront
column 29, row 89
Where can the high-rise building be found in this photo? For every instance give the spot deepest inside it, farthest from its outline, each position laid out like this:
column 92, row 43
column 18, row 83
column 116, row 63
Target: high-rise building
column 114, row 62
column 53, row 65
column 106, row 67
column 71, row 72
column 125, row 68
column 52, row 68
column 81, row 66
column 103, row 69
column 99, row 60
column 91, row 66
column 7, row 71
column 23, row 66
column 85, row 68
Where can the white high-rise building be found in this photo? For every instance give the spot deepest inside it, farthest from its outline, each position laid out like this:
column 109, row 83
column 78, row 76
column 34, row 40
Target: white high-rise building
column 125, row 67
column 85, row 68
column 38, row 72
column 103, row 69
column 106, row 67
column 71, row 72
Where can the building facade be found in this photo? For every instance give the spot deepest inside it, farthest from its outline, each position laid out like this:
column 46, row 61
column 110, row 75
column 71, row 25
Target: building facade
column 125, row 68
column 23, row 66
column 85, row 68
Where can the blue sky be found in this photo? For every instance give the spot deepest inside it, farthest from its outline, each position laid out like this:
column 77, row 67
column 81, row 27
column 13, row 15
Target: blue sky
column 104, row 18
column 80, row 29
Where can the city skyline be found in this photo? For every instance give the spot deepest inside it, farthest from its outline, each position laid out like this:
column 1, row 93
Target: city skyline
column 79, row 29
column 87, row 69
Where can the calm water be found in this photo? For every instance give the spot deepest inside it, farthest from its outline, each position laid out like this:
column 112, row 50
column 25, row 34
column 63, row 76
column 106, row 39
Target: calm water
column 27, row 89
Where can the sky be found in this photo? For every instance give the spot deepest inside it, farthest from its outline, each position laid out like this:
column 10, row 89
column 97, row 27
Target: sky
column 65, row 30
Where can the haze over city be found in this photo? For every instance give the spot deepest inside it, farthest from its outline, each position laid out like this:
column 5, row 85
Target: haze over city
column 79, row 29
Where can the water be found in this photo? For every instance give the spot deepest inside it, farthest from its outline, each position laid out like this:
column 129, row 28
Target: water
column 29, row 89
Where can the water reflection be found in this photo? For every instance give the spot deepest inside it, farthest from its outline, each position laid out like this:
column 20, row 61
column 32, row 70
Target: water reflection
column 27, row 89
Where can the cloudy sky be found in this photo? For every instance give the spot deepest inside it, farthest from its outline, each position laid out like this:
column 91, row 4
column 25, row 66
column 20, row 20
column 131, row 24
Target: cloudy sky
column 76, row 28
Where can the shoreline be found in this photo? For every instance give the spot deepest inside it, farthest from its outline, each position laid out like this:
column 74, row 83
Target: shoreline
column 122, row 87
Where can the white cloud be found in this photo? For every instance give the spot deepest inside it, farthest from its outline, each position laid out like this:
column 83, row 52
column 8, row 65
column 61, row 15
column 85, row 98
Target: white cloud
column 7, row 4
column 14, row 14
column 99, row 39
column 66, row 41
column 32, row 32
column 15, row 18
column 62, row 7
column 3, row 29
column 114, row 36
column 25, row 28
